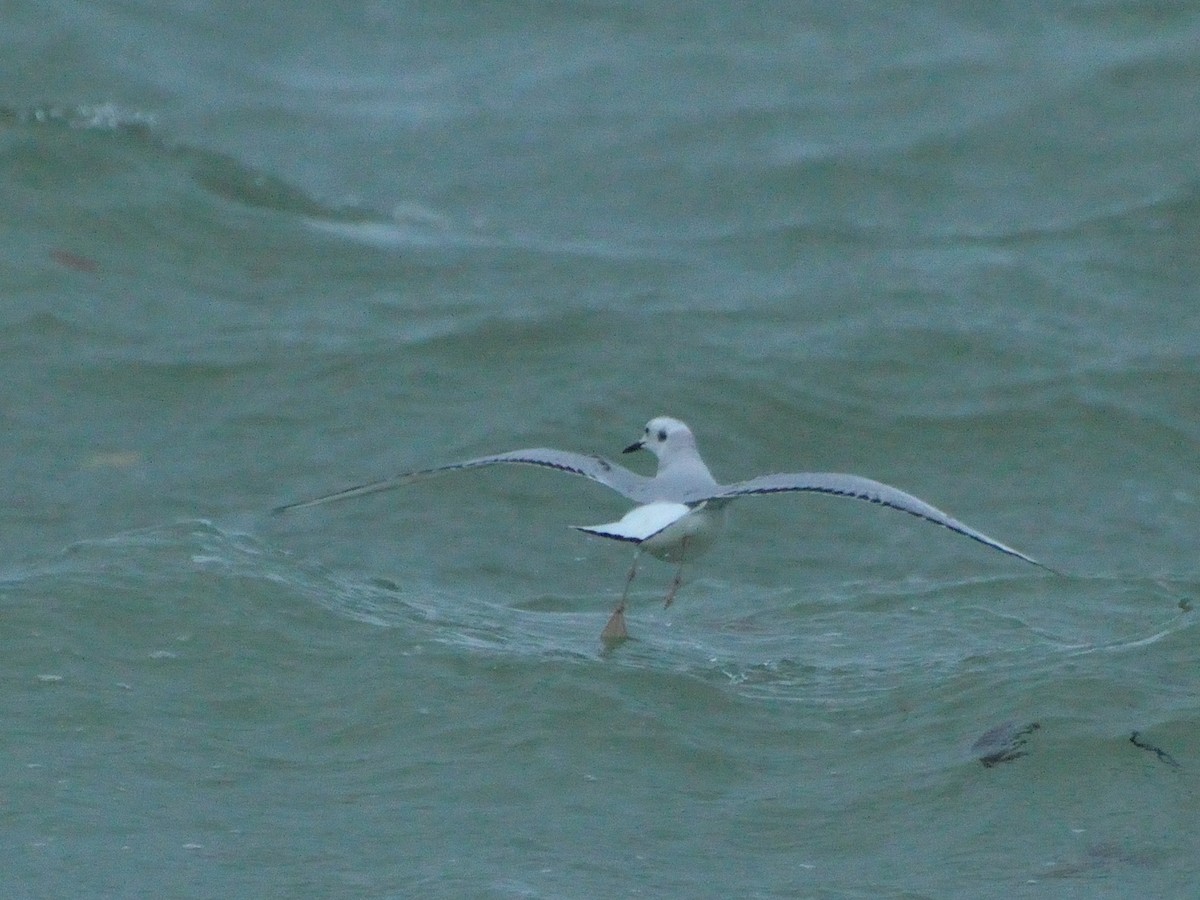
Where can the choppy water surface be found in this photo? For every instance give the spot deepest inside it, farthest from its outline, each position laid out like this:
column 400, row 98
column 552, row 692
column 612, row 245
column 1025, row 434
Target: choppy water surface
column 255, row 255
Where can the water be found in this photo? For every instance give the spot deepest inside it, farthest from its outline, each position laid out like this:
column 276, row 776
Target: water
column 252, row 255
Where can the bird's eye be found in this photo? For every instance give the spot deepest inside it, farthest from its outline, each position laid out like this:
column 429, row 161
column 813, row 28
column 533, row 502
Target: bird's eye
column 662, row 435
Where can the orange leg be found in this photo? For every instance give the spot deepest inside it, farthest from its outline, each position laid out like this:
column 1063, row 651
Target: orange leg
column 678, row 579
column 615, row 629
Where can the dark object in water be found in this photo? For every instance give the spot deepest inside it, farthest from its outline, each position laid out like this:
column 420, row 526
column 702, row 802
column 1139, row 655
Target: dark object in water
column 1101, row 857
column 1162, row 755
column 75, row 261
column 1003, row 743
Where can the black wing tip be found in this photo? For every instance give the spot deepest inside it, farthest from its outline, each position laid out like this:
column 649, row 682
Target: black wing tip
column 1045, row 567
column 290, row 507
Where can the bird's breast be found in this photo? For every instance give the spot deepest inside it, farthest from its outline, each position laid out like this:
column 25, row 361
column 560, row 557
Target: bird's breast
column 688, row 537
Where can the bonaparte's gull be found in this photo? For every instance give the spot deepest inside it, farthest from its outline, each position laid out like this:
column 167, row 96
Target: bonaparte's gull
column 681, row 509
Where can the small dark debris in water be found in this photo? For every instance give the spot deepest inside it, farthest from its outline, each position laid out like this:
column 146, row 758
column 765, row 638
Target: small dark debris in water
column 75, row 261
column 1101, row 857
column 1162, row 755
column 1003, row 743
column 1185, row 604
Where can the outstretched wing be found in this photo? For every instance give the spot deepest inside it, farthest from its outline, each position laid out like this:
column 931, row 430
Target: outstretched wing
column 597, row 468
column 860, row 489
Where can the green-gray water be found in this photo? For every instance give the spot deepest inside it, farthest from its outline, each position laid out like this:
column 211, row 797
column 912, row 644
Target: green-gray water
column 255, row 253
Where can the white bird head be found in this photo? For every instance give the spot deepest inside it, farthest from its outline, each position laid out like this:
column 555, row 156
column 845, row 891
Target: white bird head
column 675, row 446
column 664, row 437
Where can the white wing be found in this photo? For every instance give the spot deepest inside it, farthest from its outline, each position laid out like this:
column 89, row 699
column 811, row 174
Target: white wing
column 597, row 468
column 641, row 523
column 860, row 489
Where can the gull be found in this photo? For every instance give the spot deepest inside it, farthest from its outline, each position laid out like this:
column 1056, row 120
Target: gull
column 681, row 509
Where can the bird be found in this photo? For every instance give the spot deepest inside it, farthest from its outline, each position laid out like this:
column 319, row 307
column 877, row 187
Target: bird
column 680, row 510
